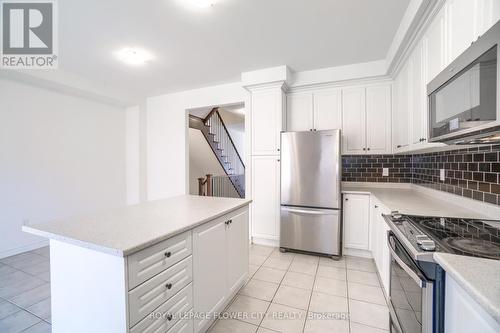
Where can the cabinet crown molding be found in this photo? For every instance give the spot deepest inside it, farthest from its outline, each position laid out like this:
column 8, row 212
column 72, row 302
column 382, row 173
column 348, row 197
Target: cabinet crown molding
column 267, row 86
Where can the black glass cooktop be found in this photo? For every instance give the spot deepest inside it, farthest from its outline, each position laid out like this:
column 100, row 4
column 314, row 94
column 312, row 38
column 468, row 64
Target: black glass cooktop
column 478, row 238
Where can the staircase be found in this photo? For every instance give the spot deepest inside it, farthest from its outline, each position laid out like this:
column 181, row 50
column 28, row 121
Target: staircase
column 215, row 132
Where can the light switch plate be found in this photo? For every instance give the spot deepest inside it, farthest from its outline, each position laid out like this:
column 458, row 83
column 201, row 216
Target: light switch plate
column 385, row 172
column 441, row 175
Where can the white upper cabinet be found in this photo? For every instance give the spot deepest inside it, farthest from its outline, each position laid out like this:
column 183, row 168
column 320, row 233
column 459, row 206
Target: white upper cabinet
column 366, row 120
column 354, row 120
column 378, row 119
column 487, row 14
column 418, row 97
column 267, row 121
column 327, row 109
column 401, row 112
column 435, row 46
column 319, row 110
column 299, row 112
column 460, row 26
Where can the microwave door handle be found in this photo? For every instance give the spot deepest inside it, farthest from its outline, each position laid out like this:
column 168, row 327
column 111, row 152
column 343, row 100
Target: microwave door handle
column 418, row 280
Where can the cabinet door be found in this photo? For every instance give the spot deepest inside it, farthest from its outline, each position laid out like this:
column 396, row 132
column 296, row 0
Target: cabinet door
column 487, row 14
column 327, row 110
column 266, row 121
column 375, row 232
column 237, row 252
column 353, row 121
column 209, row 263
column 378, row 119
column 434, row 40
column 460, row 26
column 265, row 195
column 418, row 97
column 356, row 221
column 400, row 113
column 299, row 116
column 385, row 272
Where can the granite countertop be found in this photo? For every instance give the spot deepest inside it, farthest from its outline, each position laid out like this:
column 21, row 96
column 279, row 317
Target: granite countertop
column 126, row 230
column 480, row 278
column 409, row 200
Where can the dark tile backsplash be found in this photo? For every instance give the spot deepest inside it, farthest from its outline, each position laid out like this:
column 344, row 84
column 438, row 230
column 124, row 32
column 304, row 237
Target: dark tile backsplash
column 472, row 173
column 368, row 168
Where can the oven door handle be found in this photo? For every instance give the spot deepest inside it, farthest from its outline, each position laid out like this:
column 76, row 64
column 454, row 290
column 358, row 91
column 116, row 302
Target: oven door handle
column 418, row 278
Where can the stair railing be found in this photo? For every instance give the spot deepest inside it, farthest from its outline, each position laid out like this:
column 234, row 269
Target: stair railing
column 234, row 165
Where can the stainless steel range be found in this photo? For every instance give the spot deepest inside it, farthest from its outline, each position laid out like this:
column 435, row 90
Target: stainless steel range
column 417, row 282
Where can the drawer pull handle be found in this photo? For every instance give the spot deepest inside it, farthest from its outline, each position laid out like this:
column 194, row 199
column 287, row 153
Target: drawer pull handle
column 168, row 286
column 169, row 317
column 168, row 254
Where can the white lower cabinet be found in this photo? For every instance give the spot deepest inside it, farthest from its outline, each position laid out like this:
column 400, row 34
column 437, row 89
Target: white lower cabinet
column 462, row 314
column 365, row 230
column 356, row 221
column 378, row 244
column 210, row 250
column 237, row 252
column 220, row 265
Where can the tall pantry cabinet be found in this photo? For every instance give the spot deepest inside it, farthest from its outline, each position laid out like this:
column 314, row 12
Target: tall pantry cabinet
column 267, row 121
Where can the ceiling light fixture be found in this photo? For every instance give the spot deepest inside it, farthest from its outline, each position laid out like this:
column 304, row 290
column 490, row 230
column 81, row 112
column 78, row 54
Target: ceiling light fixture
column 134, row 56
column 199, row 3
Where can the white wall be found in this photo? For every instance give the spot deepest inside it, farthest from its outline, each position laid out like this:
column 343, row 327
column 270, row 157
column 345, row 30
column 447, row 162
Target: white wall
column 167, row 135
column 59, row 156
column 133, row 156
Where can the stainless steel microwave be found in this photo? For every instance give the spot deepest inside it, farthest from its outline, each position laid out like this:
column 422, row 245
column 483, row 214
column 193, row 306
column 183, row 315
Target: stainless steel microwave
column 464, row 98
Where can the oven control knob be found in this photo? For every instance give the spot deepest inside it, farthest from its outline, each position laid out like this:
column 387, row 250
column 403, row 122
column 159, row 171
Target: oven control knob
column 421, row 238
column 428, row 245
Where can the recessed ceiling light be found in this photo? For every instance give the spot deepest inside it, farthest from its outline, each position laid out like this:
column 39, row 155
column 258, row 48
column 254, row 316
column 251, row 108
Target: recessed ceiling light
column 199, row 3
column 134, row 56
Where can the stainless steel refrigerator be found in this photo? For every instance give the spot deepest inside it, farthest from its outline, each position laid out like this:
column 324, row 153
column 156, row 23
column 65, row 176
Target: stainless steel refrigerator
column 310, row 192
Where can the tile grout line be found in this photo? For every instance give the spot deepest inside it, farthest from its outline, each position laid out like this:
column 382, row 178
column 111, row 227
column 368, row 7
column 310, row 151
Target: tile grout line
column 310, row 296
column 274, row 295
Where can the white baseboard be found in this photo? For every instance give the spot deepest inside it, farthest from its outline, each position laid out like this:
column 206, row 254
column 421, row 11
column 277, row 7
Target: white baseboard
column 25, row 248
column 266, row 242
column 358, row 253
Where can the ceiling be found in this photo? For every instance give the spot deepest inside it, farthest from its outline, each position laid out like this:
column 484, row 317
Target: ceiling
column 200, row 47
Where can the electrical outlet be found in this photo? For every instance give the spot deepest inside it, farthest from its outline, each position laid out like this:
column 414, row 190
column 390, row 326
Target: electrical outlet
column 441, row 175
column 385, row 172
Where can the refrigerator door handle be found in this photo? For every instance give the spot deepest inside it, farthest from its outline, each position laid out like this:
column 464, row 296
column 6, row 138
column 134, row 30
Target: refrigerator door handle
column 310, row 212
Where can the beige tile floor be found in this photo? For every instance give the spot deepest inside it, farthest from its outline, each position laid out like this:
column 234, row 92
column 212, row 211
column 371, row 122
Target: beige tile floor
column 286, row 293
column 291, row 293
column 25, row 292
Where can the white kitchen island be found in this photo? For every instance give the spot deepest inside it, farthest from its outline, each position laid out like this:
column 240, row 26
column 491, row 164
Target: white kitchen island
column 142, row 268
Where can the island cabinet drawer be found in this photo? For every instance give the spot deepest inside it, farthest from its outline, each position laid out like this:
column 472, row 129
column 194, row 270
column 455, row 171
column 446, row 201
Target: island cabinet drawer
column 183, row 326
column 168, row 314
column 145, row 264
column 154, row 292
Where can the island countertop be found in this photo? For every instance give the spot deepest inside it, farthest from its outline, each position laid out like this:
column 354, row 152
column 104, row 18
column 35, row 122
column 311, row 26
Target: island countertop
column 126, row 230
column 480, row 278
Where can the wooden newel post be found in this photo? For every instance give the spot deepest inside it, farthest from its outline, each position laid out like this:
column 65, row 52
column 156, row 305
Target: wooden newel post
column 209, row 185
column 200, row 186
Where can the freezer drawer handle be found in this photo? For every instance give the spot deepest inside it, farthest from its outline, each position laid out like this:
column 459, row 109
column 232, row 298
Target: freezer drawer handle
column 309, row 212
